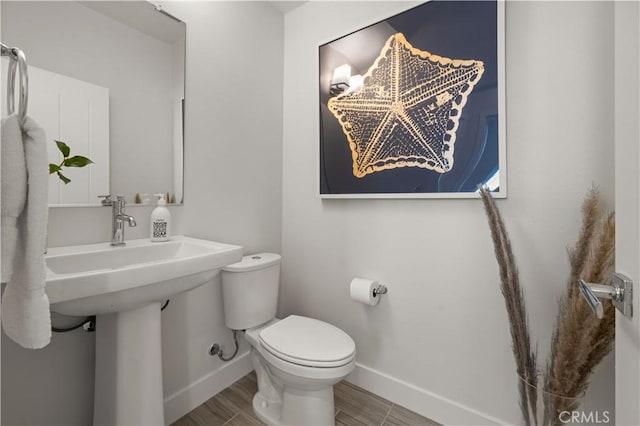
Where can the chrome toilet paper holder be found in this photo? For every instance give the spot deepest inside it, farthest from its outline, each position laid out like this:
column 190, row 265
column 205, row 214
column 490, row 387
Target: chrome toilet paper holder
column 380, row 289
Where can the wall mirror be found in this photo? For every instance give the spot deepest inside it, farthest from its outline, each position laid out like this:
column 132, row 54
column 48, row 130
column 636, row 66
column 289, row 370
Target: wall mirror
column 106, row 78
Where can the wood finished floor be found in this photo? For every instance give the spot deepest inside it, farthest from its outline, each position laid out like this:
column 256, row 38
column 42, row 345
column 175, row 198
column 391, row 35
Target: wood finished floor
column 354, row 407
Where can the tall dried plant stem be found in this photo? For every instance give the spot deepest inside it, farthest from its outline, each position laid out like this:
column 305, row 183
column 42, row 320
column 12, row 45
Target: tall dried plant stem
column 579, row 254
column 510, row 286
column 580, row 341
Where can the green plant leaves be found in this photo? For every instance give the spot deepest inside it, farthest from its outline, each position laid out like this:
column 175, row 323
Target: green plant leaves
column 64, row 148
column 63, row 178
column 75, row 161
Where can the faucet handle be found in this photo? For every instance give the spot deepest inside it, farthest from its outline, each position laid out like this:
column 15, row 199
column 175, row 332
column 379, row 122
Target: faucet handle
column 107, row 200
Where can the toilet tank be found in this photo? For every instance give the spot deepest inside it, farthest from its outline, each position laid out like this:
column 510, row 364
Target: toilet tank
column 250, row 290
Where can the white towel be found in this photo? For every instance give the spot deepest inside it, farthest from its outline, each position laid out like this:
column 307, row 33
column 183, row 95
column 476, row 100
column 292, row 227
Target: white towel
column 25, row 306
column 14, row 190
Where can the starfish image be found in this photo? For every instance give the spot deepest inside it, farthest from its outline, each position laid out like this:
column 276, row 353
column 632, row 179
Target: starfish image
column 407, row 111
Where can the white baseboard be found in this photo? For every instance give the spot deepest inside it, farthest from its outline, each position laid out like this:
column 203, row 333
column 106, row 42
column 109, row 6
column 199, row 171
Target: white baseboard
column 421, row 401
column 191, row 396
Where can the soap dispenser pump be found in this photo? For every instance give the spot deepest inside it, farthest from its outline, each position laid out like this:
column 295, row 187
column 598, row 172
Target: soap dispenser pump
column 160, row 221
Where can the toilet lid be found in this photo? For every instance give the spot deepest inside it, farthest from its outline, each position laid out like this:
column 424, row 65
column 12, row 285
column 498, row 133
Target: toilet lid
column 307, row 341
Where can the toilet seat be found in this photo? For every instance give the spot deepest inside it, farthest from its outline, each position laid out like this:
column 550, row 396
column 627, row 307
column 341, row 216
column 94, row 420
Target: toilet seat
column 307, row 342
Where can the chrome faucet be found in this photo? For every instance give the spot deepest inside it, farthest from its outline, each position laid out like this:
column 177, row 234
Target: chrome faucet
column 118, row 218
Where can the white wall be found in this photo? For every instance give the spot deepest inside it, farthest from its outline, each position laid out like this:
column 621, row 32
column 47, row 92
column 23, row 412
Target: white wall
column 233, row 173
column 439, row 342
column 442, row 327
column 233, row 193
column 70, row 39
column 234, row 122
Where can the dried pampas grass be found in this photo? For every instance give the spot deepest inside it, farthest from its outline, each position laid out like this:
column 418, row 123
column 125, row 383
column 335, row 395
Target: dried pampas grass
column 580, row 340
column 514, row 302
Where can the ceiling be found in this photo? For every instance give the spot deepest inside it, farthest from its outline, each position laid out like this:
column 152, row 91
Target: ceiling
column 286, row 6
column 142, row 16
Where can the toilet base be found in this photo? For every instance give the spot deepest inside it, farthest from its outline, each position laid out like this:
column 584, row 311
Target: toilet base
column 268, row 412
column 299, row 408
column 304, row 407
column 283, row 399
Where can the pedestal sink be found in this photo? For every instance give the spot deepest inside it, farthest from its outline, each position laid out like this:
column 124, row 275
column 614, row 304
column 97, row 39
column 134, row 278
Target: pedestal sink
column 124, row 287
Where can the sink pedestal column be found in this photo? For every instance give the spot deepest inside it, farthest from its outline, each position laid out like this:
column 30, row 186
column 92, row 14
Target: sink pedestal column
column 128, row 386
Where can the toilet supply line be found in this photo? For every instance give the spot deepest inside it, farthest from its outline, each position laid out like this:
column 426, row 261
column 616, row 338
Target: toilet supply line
column 216, row 349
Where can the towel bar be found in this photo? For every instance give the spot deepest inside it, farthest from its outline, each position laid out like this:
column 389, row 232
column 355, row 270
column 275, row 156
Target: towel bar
column 17, row 60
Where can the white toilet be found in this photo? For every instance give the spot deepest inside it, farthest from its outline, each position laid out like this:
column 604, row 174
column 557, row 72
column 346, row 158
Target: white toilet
column 297, row 359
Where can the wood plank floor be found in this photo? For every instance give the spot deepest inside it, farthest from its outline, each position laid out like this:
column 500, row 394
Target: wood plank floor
column 354, row 407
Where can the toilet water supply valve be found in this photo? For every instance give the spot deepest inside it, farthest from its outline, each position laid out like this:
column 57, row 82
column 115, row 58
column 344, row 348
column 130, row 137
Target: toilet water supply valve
column 216, row 349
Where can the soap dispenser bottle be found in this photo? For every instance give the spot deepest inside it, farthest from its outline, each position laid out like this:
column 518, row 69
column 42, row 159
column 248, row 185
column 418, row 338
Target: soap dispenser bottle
column 160, row 220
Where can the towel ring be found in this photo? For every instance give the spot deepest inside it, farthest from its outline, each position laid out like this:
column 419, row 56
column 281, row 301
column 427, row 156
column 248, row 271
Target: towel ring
column 17, row 60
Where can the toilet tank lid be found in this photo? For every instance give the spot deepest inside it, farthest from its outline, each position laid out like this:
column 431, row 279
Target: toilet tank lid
column 254, row 262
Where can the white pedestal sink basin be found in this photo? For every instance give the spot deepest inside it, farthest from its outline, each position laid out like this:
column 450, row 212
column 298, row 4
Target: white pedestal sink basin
column 124, row 288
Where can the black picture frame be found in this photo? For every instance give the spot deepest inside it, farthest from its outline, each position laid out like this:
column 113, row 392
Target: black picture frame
column 426, row 119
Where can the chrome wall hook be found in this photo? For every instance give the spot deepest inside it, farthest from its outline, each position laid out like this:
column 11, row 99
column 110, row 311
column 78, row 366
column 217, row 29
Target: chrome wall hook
column 620, row 292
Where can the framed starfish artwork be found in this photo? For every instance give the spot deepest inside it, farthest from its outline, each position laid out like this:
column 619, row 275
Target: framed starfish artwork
column 413, row 106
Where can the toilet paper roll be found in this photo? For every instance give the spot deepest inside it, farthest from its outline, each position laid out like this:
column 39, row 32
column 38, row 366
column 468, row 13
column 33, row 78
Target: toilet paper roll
column 362, row 291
